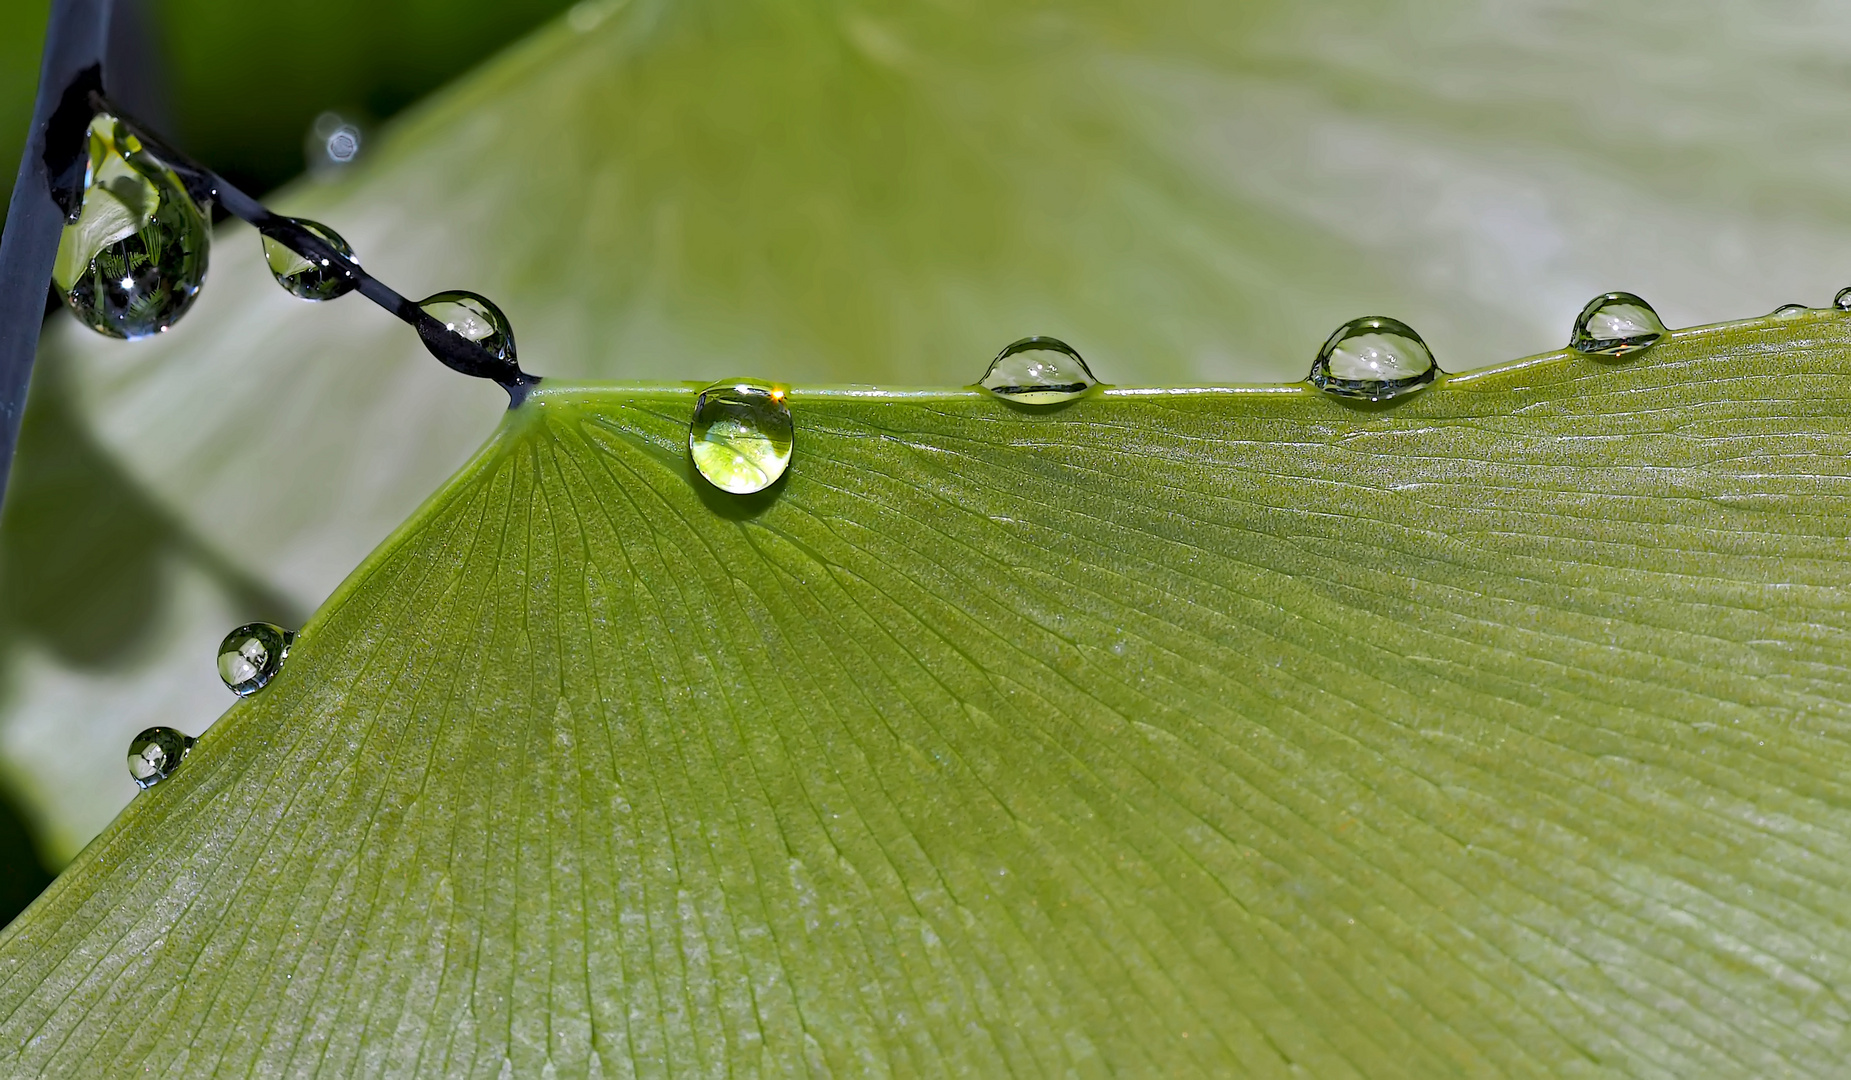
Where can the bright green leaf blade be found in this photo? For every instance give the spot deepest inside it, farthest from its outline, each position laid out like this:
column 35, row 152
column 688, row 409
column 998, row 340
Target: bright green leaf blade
column 1211, row 187
column 1504, row 730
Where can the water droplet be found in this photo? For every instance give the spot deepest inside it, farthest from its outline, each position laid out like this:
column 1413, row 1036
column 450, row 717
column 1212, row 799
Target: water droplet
column 331, row 143
column 308, row 277
column 251, row 655
column 1375, row 359
column 1789, row 311
column 134, row 257
column 156, row 753
column 1616, row 324
column 741, row 435
column 1038, row 371
column 472, row 317
column 1843, row 300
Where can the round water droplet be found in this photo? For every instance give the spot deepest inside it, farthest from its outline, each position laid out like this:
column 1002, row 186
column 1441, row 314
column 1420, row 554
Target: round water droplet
column 1843, row 300
column 308, row 277
column 1374, row 359
column 331, row 143
column 1789, row 311
column 1038, row 371
column 741, row 435
column 1616, row 324
column 251, row 655
column 156, row 753
column 135, row 257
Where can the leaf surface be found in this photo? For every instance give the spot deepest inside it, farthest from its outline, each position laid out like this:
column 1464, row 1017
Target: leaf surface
column 1166, row 733
column 1187, row 190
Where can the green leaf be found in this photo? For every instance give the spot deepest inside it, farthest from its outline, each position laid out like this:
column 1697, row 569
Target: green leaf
column 1188, row 191
column 1233, row 731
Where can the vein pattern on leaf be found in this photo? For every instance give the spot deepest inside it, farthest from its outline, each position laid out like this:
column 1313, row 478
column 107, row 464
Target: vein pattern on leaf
column 1501, row 731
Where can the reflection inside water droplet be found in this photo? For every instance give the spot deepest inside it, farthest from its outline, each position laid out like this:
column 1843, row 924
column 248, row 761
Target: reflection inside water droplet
column 1374, row 359
column 134, row 258
column 1616, row 324
column 741, row 435
column 156, row 753
column 473, row 316
column 1789, row 311
column 470, row 317
column 1842, row 301
column 1038, row 371
column 306, row 277
column 251, row 655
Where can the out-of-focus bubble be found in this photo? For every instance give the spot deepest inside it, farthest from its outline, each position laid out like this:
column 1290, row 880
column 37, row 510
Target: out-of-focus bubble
column 333, row 142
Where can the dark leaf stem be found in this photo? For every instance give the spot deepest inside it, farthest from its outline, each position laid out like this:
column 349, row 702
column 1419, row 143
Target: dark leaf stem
column 206, row 186
column 76, row 37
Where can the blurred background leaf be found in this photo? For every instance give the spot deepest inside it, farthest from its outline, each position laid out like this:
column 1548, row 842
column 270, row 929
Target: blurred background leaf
column 22, row 33
column 92, row 572
column 242, row 83
column 856, row 191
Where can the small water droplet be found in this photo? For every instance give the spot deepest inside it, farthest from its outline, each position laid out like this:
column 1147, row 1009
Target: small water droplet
column 472, row 317
column 741, row 435
column 331, row 143
column 132, row 260
column 1789, row 311
column 1842, row 301
column 1373, row 358
column 251, row 655
column 306, row 277
column 1038, row 371
column 156, row 753
column 1616, row 324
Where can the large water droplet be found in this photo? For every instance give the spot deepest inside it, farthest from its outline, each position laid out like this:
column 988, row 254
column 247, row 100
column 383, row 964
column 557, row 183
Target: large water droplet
column 1374, row 359
column 134, row 258
column 741, row 435
column 1843, row 300
column 251, row 655
column 1789, row 311
column 1038, row 371
column 1616, row 324
column 311, row 278
column 156, row 753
